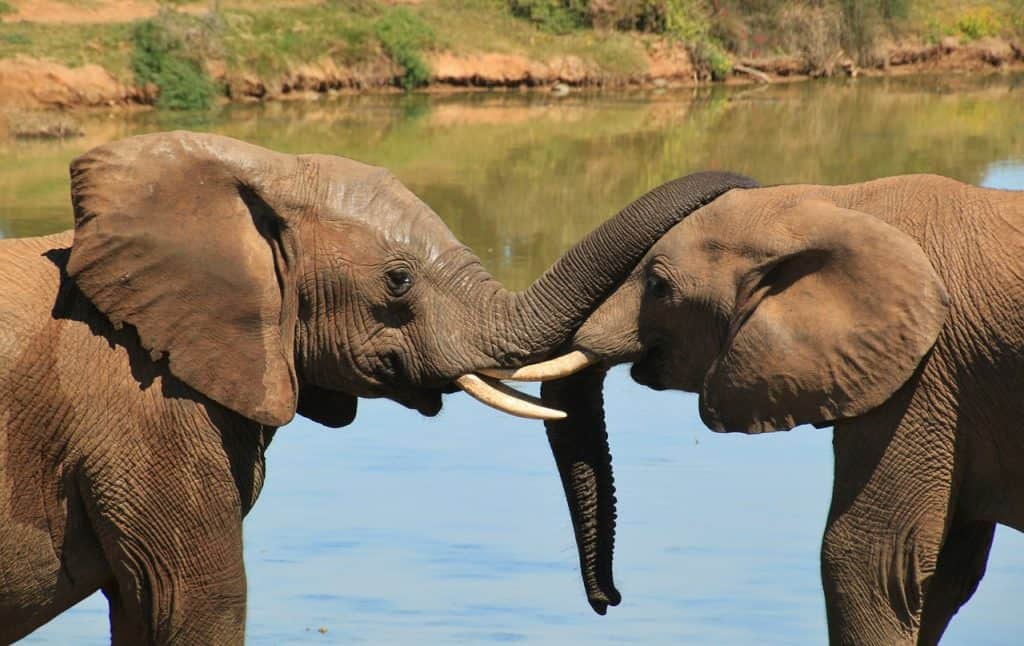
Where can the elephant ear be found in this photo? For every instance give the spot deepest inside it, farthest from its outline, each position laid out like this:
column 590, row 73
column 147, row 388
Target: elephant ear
column 833, row 323
column 180, row 235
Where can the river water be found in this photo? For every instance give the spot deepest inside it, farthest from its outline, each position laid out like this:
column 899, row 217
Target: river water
column 401, row 529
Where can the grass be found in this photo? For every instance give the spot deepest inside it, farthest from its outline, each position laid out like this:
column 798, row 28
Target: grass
column 269, row 39
column 108, row 45
column 405, row 36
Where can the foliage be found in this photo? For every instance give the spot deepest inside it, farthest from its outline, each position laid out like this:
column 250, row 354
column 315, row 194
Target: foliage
column 689, row 20
column 1017, row 17
column 554, row 16
column 404, row 35
column 161, row 56
column 814, row 32
column 686, row 20
column 5, row 7
column 977, row 22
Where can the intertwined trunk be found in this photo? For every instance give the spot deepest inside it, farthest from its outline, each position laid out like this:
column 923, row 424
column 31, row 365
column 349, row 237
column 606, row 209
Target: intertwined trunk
column 531, row 324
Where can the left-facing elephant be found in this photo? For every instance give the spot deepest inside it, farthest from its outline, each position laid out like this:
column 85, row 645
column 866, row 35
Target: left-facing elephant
column 209, row 290
column 892, row 310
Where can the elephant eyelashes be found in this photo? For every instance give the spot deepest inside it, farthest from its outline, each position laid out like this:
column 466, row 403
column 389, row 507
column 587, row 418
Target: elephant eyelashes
column 398, row 280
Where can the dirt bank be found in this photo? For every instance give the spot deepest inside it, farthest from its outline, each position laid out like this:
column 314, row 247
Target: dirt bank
column 29, row 83
column 56, row 62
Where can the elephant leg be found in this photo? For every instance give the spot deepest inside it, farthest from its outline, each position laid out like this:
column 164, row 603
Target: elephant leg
column 125, row 628
column 178, row 581
column 172, row 535
column 957, row 575
column 890, row 501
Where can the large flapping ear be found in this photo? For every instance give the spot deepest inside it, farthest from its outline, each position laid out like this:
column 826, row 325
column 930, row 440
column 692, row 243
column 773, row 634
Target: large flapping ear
column 833, row 323
column 181, row 235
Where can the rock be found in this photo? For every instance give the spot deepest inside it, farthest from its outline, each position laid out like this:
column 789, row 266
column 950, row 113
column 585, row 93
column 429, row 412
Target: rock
column 949, row 44
column 659, row 82
column 560, row 89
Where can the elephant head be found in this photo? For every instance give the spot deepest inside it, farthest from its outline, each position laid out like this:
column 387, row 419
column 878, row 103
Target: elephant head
column 272, row 283
column 778, row 309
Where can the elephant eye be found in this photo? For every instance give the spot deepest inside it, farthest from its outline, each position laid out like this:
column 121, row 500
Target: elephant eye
column 656, row 287
column 399, row 280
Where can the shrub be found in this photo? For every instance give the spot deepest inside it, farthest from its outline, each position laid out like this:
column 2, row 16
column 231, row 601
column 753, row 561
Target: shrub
column 865, row 20
column 5, row 7
column 555, row 16
column 160, row 56
column 1017, row 17
column 814, row 32
column 977, row 23
column 404, row 36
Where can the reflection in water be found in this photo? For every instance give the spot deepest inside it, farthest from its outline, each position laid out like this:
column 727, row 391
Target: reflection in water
column 401, row 529
column 521, row 177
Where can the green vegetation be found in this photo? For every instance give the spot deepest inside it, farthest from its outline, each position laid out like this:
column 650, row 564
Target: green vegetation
column 977, row 23
column 554, row 16
column 5, row 7
column 272, row 42
column 404, row 36
column 166, row 52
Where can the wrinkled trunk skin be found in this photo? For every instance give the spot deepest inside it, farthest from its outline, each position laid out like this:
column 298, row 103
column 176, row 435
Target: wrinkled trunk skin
column 531, row 324
column 580, row 447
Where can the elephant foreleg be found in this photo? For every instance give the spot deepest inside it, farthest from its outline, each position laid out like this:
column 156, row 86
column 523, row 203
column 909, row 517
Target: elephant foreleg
column 890, row 502
column 957, row 575
column 171, row 532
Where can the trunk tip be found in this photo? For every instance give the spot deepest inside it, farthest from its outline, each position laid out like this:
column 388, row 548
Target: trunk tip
column 601, row 599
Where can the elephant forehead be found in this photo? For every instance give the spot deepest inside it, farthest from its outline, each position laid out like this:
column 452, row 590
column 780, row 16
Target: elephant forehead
column 357, row 193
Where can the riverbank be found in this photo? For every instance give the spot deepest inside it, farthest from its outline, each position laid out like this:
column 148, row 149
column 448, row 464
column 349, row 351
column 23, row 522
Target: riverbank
column 122, row 53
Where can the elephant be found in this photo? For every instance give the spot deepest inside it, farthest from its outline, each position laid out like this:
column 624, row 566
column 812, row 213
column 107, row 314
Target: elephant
column 211, row 289
column 891, row 310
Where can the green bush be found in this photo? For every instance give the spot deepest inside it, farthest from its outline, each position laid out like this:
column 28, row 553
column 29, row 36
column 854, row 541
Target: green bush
column 5, row 7
column 978, row 22
column 555, row 16
column 404, row 36
column 160, row 56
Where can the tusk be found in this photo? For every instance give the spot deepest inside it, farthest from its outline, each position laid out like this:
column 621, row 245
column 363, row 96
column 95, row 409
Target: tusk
column 556, row 368
column 508, row 400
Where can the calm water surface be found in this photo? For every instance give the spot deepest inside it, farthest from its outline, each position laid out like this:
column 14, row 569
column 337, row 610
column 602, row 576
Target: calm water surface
column 401, row 529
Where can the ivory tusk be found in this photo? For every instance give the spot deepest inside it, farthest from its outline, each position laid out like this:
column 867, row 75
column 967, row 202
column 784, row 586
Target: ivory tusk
column 508, row 400
column 556, row 368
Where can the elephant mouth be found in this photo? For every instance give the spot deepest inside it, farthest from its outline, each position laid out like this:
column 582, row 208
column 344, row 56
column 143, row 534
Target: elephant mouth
column 647, row 370
column 425, row 401
column 490, row 391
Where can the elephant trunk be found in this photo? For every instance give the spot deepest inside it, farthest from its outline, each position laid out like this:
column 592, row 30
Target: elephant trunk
column 532, row 323
column 580, row 447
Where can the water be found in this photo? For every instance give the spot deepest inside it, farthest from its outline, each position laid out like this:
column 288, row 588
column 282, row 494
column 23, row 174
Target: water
column 401, row 529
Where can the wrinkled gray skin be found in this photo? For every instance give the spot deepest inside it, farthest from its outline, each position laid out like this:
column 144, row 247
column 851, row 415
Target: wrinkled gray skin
column 209, row 291
column 893, row 310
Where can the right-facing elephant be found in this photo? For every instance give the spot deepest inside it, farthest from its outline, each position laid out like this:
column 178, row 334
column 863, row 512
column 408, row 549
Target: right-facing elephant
column 892, row 310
